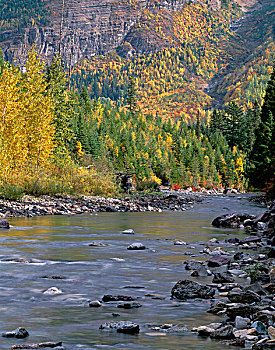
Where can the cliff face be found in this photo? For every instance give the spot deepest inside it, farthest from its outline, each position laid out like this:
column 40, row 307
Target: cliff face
column 91, row 27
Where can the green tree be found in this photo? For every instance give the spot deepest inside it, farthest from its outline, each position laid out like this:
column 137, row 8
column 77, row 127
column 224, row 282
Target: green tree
column 131, row 99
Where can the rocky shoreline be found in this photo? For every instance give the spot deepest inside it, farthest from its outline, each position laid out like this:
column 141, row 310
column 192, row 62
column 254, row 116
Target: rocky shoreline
column 243, row 278
column 46, row 205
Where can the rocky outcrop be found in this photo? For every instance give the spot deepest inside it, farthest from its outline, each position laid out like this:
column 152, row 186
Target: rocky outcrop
column 90, row 27
column 185, row 289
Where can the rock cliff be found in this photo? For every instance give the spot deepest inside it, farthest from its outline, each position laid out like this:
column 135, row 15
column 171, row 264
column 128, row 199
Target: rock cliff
column 90, row 27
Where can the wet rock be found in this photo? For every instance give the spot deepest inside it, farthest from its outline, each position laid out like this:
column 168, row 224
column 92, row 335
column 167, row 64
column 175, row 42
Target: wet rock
column 243, row 333
column 271, row 332
column 227, row 220
column 225, row 332
column 200, row 272
column 251, row 239
column 129, row 305
column 98, row 244
column 128, row 232
column 193, row 264
column 185, row 289
column 271, row 253
column 107, row 297
column 136, row 246
column 217, row 307
column 256, row 288
column 19, row 333
column 243, row 296
column 95, row 303
column 54, row 277
column 238, row 256
column 265, row 316
column 218, row 260
column 234, row 240
column 222, row 277
column 179, row 242
column 4, row 224
column 264, row 344
column 235, row 309
column 205, row 331
column 241, row 322
column 260, row 327
column 53, row 291
column 121, row 327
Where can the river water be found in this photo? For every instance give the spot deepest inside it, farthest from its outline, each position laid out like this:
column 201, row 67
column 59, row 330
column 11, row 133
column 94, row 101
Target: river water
column 61, row 246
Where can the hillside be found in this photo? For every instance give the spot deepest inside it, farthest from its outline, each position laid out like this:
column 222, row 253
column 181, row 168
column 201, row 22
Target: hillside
column 186, row 57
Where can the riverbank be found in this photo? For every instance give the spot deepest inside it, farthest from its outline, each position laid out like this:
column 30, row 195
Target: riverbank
column 46, row 205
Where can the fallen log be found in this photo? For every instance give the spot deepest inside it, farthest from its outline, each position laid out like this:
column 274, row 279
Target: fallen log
column 36, row 346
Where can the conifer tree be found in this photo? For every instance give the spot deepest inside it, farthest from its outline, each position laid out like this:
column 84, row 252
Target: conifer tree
column 131, row 99
column 263, row 153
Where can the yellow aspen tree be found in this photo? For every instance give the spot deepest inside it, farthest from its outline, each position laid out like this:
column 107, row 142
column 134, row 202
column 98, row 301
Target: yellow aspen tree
column 38, row 112
column 13, row 152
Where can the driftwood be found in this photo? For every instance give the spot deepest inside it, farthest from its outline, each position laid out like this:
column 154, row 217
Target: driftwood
column 36, row 346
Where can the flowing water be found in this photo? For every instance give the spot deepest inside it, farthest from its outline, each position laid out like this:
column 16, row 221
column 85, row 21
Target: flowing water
column 59, row 245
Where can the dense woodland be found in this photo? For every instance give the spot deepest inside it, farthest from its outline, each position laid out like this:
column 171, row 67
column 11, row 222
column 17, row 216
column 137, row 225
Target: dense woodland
column 57, row 141
column 23, row 13
column 186, row 115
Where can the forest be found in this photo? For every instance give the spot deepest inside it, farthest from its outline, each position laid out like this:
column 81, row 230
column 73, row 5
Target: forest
column 55, row 140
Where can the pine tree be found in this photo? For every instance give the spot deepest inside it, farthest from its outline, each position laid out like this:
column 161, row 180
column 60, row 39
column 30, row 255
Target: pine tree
column 263, row 153
column 63, row 102
column 131, row 99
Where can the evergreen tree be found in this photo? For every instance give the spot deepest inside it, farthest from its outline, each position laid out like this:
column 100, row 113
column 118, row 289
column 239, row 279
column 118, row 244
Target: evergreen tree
column 263, row 153
column 131, row 99
column 234, row 125
column 252, row 122
column 198, row 125
column 63, row 102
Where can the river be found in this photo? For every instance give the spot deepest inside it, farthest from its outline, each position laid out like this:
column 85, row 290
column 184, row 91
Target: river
column 61, row 246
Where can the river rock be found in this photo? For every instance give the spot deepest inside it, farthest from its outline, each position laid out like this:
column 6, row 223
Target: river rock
column 237, row 295
column 201, row 271
column 97, row 244
column 217, row 307
column 260, row 327
column 129, row 305
column 225, row 332
column 227, row 220
column 185, row 289
column 236, row 309
column 130, row 231
column 136, row 246
column 4, row 224
column 53, row 291
column 241, row 322
column 19, row 333
column 271, row 332
column 95, row 303
column 121, row 327
column 271, row 253
column 243, row 333
column 107, row 297
column 256, row 288
column 251, row 239
column 179, row 242
column 192, row 264
column 205, row 331
column 222, row 277
column 218, row 260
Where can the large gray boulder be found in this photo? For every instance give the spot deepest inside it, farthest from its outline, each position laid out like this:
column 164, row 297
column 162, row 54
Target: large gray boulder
column 186, row 289
column 4, row 224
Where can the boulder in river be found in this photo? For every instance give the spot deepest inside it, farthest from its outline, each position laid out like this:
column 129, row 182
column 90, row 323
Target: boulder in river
column 186, row 289
column 4, row 224
column 136, row 246
column 19, row 333
column 218, row 260
column 225, row 332
column 108, row 297
column 130, row 231
column 53, row 291
column 129, row 305
column 227, row 220
column 222, row 277
column 121, row 327
column 237, row 295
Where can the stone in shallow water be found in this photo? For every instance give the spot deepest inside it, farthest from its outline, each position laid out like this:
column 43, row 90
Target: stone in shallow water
column 241, row 322
column 53, row 291
column 136, row 246
column 97, row 244
column 218, row 260
column 121, row 327
column 4, row 224
column 260, row 327
column 129, row 305
column 19, row 333
column 237, row 295
column 108, row 297
column 186, row 289
column 130, row 231
column 225, row 332
column 95, row 303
